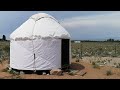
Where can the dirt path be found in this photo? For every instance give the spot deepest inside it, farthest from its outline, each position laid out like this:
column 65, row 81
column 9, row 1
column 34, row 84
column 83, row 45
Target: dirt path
column 92, row 73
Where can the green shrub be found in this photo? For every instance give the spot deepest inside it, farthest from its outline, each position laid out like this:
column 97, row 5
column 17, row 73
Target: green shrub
column 109, row 72
column 118, row 66
column 6, row 49
column 71, row 73
column 115, row 63
column 5, row 70
column 13, row 72
column 95, row 65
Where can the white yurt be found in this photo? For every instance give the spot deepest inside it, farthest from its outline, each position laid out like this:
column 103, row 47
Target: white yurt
column 40, row 43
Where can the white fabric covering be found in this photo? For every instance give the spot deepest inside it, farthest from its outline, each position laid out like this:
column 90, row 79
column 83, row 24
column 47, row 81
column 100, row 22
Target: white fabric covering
column 41, row 35
column 43, row 28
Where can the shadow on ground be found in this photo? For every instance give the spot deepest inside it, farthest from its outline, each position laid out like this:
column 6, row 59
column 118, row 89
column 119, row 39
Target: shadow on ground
column 76, row 66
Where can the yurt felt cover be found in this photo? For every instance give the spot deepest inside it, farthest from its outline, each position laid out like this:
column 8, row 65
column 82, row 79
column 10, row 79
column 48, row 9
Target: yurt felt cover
column 36, row 44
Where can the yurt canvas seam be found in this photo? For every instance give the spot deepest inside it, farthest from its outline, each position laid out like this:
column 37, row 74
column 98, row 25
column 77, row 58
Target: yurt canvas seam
column 34, row 66
column 33, row 48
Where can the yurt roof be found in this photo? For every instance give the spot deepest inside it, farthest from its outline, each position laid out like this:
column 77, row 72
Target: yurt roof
column 40, row 25
column 41, row 15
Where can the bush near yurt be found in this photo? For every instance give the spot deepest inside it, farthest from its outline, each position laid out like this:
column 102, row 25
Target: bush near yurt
column 4, row 50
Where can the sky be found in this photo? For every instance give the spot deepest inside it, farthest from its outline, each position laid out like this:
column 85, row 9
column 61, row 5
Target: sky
column 82, row 25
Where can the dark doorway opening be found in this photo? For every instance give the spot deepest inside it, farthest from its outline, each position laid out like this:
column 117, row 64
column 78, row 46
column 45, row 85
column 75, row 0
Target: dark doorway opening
column 65, row 53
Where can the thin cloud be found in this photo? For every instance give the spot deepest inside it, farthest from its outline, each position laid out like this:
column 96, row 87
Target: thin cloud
column 105, row 20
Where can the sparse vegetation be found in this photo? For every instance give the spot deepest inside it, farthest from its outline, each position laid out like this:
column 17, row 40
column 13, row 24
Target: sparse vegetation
column 13, row 72
column 118, row 65
column 71, row 73
column 77, row 60
column 4, row 50
column 95, row 65
column 5, row 70
column 109, row 72
column 115, row 63
column 103, row 49
column 16, row 77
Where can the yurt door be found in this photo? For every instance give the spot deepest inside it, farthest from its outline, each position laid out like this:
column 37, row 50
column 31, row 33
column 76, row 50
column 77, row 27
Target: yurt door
column 65, row 53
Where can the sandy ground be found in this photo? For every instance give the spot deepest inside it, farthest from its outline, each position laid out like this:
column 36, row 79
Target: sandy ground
column 92, row 73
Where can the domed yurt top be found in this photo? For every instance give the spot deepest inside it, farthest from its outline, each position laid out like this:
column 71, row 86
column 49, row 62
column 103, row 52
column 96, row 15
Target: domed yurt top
column 41, row 15
column 40, row 25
